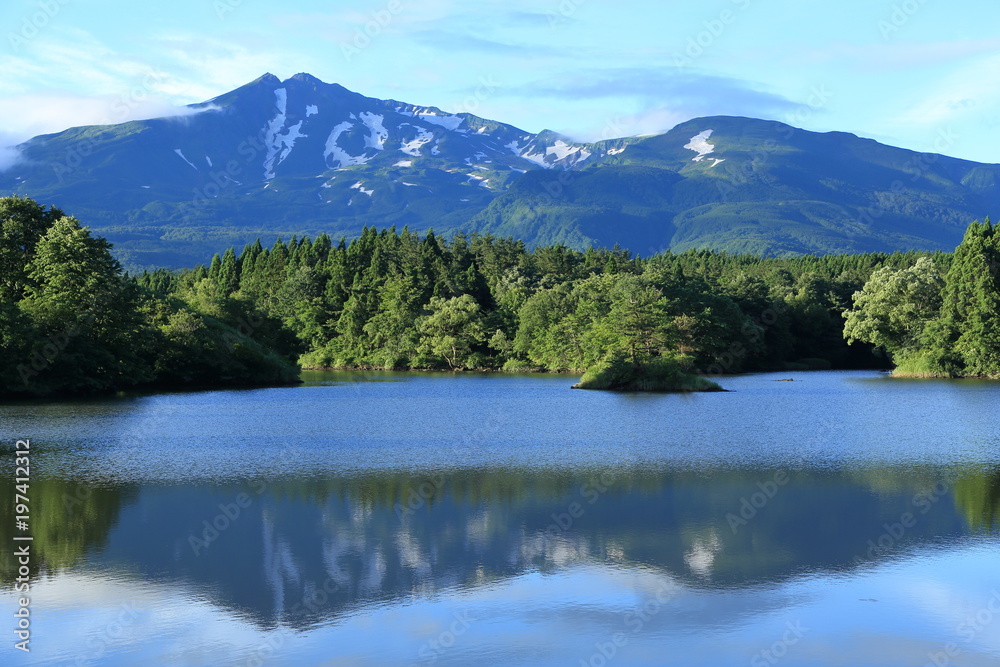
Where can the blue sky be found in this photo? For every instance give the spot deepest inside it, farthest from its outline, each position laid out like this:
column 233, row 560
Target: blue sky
column 921, row 74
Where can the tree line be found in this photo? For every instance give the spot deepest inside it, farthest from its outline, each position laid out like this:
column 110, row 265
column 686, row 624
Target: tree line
column 398, row 300
column 72, row 322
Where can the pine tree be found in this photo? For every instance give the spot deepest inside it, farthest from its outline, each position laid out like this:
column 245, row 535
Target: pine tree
column 969, row 330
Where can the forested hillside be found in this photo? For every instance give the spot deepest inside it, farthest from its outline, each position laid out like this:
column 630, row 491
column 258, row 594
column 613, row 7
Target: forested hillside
column 71, row 322
column 393, row 299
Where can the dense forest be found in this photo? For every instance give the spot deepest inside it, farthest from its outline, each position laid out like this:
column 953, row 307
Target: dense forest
column 72, row 322
column 937, row 321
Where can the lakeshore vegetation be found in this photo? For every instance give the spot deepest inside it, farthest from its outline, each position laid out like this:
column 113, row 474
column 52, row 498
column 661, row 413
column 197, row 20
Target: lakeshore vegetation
column 72, row 322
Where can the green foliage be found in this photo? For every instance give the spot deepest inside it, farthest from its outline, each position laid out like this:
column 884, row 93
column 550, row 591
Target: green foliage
column 72, row 324
column 894, row 307
column 623, row 372
column 451, row 330
column 934, row 326
column 393, row 299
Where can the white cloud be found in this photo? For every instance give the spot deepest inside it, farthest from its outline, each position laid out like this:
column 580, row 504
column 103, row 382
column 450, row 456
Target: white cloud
column 26, row 116
column 9, row 156
column 179, row 70
column 969, row 90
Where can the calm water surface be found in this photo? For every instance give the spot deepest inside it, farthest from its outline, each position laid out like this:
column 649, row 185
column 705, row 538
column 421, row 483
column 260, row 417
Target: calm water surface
column 405, row 519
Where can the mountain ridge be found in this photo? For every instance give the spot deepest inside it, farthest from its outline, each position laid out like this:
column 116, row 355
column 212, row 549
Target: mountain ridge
column 302, row 156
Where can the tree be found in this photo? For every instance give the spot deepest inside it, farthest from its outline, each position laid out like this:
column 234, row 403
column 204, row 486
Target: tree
column 451, row 329
column 636, row 323
column 86, row 312
column 22, row 223
column 894, row 308
column 970, row 309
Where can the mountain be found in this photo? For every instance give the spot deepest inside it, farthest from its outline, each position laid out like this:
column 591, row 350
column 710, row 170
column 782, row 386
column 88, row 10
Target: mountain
column 755, row 186
column 300, row 156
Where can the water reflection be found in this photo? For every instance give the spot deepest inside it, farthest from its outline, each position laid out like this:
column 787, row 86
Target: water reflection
column 300, row 552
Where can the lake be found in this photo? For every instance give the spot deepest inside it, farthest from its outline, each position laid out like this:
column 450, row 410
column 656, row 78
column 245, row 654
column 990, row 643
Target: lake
column 844, row 518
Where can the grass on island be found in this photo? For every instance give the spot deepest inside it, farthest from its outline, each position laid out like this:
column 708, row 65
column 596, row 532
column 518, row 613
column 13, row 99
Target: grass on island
column 657, row 374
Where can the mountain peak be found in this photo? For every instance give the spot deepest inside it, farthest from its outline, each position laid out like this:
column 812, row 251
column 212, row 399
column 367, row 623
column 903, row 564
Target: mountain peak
column 266, row 78
column 304, row 77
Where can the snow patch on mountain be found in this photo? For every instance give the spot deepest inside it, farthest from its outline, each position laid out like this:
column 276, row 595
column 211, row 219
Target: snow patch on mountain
column 379, row 134
column 181, row 154
column 361, row 187
column 279, row 146
column 272, row 130
column 447, row 121
column 311, row 110
column 537, row 158
column 404, row 163
column 617, row 151
column 336, row 156
column 699, row 144
column 561, row 150
column 413, row 147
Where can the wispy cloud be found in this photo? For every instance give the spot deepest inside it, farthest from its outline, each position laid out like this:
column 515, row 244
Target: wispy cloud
column 9, row 155
column 657, row 99
column 177, row 70
column 900, row 55
column 27, row 116
column 449, row 41
column 973, row 89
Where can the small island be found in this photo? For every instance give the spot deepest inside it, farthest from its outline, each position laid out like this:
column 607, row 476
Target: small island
column 656, row 374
